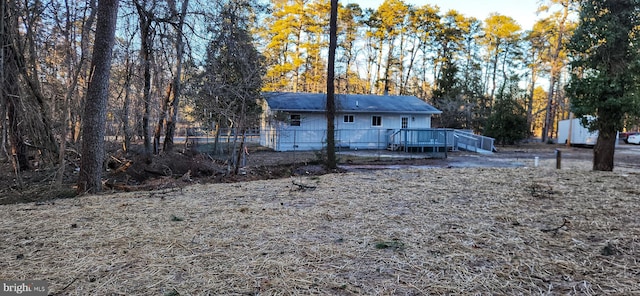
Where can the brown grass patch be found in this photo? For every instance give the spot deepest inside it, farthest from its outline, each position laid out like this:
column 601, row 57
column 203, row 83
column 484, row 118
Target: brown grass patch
column 504, row 231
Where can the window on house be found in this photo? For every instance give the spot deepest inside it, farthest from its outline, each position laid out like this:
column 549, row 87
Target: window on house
column 405, row 122
column 376, row 121
column 295, row 120
column 348, row 118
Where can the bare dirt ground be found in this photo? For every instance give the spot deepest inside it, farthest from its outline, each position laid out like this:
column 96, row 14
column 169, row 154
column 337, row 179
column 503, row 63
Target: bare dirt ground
column 466, row 225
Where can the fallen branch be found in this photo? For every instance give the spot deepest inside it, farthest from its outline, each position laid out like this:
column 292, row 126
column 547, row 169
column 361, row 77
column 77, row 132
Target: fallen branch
column 117, row 160
column 67, row 286
column 565, row 223
column 541, row 191
column 124, row 167
column 154, row 188
column 303, row 187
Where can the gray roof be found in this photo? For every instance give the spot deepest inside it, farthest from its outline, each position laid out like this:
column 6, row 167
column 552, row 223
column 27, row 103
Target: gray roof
column 308, row 102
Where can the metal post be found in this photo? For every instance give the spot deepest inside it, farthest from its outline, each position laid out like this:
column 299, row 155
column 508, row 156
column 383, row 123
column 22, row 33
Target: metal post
column 558, row 159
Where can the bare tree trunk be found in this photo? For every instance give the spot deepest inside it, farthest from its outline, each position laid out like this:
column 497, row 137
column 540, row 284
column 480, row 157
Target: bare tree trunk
column 175, row 103
column 216, row 137
column 239, row 131
column 163, row 113
column 93, row 129
column 126, row 128
column 73, row 83
column 494, row 74
column 369, row 85
column 146, row 38
column 603, row 151
column 387, row 69
column 240, row 155
column 534, row 74
column 296, row 79
column 399, row 77
column 376, row 83
column 548, row 118
column 231, row 146
column 413, row 53
column 63, row 144
column 556, row 68
column 3, row 121
column 331, row 105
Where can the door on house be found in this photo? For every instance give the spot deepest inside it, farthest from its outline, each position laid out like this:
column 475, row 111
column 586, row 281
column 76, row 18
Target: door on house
column 405, row 122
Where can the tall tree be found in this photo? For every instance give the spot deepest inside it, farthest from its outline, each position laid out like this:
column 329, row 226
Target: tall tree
column 455, row 52
column 146, row 18
column 315, row 24
column 284, row 31
column 605, row 67
column 390, row 20
column 331, row 104
column 232, row 80
column 95, row 112
column 537, row 44
column 372, row 51
column 501, row 33
column 558, row 31
column 174, row 104
column 424, row 24
column 350, row 20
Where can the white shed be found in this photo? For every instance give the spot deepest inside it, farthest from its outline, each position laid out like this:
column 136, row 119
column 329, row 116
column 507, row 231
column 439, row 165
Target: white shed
column 297, row 121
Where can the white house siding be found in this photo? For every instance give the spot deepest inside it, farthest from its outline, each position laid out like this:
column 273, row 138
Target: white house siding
column 281, row 136
column 359, row 134
column 362, row 135
column 310, row 135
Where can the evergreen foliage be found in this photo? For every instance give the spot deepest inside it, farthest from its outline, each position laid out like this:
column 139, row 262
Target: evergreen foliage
column 231, row 84
column 508, row 122
column 605, row 67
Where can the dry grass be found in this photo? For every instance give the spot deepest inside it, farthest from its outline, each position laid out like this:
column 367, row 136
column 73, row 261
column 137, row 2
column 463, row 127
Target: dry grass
column 465, row 231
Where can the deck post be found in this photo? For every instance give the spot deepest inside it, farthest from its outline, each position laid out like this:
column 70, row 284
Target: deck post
column 446, row 147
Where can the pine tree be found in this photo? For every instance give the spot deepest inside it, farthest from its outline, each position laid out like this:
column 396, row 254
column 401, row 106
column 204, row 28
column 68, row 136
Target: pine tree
column 95, row 112
column 233, row 77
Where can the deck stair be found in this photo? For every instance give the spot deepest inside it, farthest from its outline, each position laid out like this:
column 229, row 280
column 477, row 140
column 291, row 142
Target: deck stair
column 393, row 143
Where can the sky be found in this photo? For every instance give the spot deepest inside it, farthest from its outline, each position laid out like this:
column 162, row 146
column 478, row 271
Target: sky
column 523, row 11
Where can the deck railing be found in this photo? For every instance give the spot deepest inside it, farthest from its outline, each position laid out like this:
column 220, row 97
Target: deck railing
column 407, row 140
column 431, row 139
column 467, row 140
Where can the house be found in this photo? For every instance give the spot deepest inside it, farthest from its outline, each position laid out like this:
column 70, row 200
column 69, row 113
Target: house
column 297, row 121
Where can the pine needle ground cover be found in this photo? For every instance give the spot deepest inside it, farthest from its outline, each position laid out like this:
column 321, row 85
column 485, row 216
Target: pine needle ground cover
column 501, row 231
